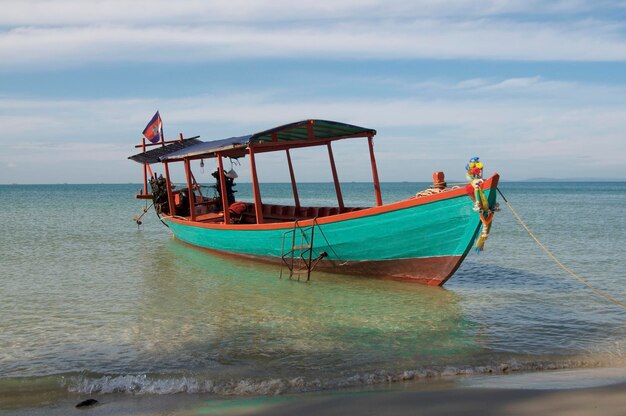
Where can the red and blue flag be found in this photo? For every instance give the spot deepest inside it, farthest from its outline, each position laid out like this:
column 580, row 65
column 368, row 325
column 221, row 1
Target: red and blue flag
column 154, row 129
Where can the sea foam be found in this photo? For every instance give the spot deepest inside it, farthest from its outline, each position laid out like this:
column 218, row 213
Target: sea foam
column 163, row 384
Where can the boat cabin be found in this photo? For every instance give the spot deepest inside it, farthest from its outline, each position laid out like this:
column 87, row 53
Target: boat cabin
column 191, row 204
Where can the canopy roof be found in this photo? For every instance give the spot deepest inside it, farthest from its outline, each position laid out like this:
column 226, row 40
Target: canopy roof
column 208, row 149
column 153, row 156
column 306, row 132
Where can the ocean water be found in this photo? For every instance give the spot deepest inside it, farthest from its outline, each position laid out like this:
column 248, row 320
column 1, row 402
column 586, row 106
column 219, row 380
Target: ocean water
column 91, row 303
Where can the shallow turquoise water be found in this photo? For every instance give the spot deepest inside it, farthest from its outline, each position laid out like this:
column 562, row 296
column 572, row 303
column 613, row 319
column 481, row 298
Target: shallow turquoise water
column 92, row 304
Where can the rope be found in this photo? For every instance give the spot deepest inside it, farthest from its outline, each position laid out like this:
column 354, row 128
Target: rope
column 557, row 261
column 433, row 190
column 138, row 218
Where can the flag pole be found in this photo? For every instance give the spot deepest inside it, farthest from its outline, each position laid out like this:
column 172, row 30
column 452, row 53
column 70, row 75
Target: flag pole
column 145, row 168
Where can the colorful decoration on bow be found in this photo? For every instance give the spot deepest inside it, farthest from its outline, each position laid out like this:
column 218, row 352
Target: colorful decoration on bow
column 475, row 190
column 474, row 169
column 484, row 211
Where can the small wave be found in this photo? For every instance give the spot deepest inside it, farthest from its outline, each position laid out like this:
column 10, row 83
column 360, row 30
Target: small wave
column 160, row 384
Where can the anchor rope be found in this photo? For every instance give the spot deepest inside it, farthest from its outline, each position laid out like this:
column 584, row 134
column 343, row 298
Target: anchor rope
column 556, row 260
column 138, row 218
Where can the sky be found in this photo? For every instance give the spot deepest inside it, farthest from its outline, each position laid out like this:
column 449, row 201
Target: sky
column 536, row 89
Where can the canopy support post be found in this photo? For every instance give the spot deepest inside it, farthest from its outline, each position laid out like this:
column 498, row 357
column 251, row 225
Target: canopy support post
column 258, row 205
column 168, row 186
column 192, row 202
column 296, row 198
column 335, row 177
column 379, row 198
column 145, row 168
column 224, row 192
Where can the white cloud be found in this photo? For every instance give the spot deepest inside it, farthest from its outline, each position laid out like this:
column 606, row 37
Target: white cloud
column 554, row 134
column 88, row 40
column 150, row 12
column 551, row 123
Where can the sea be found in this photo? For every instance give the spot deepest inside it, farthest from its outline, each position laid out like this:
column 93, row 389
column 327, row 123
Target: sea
column 91, row 303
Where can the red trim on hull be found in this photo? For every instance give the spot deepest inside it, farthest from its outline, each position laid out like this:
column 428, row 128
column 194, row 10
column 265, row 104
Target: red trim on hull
column 431, row 271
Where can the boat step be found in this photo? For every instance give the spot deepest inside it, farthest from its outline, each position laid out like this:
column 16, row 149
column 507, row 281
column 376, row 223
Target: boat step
column 299, row 259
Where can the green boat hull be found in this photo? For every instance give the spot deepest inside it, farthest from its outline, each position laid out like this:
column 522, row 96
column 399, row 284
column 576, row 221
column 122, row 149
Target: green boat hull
column 424, row 242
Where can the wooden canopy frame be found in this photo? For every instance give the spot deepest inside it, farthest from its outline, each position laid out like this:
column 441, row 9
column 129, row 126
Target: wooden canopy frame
column 268, row 141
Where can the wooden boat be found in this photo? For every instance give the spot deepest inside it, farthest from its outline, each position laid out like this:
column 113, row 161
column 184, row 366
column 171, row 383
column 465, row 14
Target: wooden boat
column 423, row 238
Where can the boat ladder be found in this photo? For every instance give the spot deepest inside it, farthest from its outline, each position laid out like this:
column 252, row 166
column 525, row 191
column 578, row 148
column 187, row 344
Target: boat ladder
column 299, row 256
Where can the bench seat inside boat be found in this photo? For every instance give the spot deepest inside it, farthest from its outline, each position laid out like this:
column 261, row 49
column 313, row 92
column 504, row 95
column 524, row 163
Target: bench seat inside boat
column 278, row 213
column 283, row 213
column 210, row 217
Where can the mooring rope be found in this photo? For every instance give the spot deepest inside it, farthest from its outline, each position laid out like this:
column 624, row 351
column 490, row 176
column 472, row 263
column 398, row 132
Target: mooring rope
column 556, row 260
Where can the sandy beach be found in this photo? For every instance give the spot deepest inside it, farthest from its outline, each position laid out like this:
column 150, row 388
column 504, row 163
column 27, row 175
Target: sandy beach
column 570, row 392
column 609, row 400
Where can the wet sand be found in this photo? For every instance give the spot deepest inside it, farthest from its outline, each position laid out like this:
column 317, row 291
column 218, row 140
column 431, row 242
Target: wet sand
column 606, row 401
column 576, row 392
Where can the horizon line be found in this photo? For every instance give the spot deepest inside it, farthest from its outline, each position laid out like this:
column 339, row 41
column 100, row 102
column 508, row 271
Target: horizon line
column 544, row 180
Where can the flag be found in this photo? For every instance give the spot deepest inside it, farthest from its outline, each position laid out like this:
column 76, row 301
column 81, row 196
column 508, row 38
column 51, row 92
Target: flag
column 154, row 129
